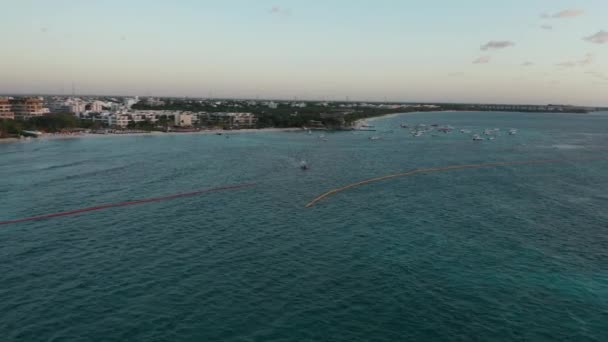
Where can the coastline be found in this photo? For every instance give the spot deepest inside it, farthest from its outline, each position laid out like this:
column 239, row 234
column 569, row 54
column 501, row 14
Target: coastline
column 359, row 123
column 53, row 136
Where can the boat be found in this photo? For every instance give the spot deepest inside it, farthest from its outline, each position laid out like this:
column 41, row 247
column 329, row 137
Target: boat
column 374, row 138
column 403, row 125
column 465, row 131
column 32, row 134
column 512, row 131
column 445, row 129
column 304, row 165
column 418, row 133
column 476, row 137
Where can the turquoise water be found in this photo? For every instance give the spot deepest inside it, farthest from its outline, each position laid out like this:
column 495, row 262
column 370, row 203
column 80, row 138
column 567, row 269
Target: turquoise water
column 505, row 253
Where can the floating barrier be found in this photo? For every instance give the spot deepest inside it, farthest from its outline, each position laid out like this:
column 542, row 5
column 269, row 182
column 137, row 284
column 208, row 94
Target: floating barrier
column 440, row 169
column 125, row 204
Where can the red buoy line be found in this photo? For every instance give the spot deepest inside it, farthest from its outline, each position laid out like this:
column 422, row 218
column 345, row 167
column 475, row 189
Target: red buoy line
column 125, row 204
column 441, row 169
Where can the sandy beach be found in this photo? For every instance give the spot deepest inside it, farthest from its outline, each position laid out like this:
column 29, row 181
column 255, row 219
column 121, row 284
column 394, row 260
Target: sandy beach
column 53, row 136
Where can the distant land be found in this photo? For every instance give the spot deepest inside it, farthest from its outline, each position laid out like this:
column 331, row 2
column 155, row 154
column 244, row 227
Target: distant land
column 66, row 114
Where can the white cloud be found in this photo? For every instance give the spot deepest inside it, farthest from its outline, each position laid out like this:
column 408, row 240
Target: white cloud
column 483, row 60
column 497, row 44
column 279, row 10
column 597, row 74
column 567, row 13
column 587, row 60
column 599, row 38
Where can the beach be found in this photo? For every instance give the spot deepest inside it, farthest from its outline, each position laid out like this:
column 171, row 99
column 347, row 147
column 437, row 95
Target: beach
column 53, row 136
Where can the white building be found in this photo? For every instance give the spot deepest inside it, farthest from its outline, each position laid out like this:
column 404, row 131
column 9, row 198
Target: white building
column 96, row 106
column 118, row 120
column 183, row 120
column 129, row 101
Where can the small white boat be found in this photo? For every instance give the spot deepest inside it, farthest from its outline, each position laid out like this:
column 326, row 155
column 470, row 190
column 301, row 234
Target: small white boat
column 476, row 137
column 512, row 131
column 304, row 165
column 374, row 138
column 34, row 134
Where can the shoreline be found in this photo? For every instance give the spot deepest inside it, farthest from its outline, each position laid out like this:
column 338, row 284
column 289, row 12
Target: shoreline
column 55, row 136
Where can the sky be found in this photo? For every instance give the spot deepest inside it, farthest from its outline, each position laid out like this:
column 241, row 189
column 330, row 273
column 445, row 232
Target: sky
column 516, row 51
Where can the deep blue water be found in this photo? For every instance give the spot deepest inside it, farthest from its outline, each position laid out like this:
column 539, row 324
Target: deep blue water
column 505, row 253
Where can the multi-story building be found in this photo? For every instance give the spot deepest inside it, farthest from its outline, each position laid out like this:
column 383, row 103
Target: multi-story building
column 28, row 107
column 6, row 111
column 95, row 106
column 229, row 120
column 183, row 120
column 118, row 120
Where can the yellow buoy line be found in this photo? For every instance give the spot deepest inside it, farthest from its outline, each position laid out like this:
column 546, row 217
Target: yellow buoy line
column 440, row 169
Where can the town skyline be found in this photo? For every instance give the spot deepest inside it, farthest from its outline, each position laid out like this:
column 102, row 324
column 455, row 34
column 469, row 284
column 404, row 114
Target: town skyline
column 413, row 51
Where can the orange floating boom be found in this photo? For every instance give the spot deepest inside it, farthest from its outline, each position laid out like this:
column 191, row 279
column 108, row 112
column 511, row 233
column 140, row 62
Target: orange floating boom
column 125, row 204
column 441, row 169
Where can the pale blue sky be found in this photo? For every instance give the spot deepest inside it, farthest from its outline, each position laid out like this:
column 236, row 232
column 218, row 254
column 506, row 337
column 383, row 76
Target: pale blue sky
column 407, row 50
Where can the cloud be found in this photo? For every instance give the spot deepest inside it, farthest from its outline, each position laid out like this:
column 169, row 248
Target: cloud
column 527, row 64
column 587, row 60
column 567, row 13
column 279, row 10
column 598, row 74
column 569, row 64
column 494, row 44
column 599, row 38
column 546, row 27
column 483, row 60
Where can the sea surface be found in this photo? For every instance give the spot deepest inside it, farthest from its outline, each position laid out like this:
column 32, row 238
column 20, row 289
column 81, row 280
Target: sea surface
column 504, row 253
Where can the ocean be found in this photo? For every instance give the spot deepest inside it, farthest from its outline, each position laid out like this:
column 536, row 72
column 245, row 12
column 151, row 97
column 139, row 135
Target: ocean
column 495, row 253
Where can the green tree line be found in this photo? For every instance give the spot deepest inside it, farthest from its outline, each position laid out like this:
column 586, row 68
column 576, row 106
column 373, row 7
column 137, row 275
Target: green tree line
column 48, row 123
